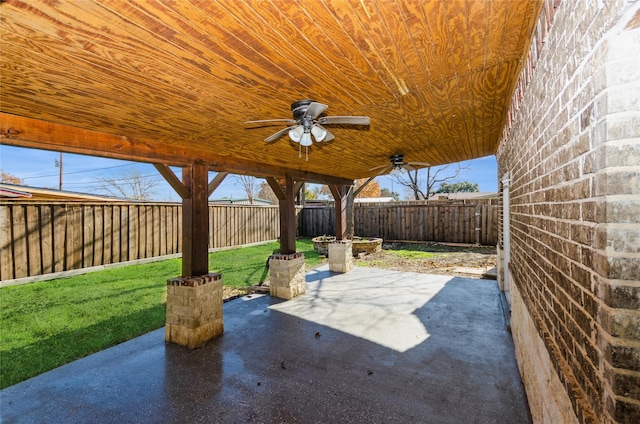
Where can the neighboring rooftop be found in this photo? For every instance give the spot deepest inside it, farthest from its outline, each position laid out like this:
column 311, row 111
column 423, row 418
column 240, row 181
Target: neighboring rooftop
column 20, row 192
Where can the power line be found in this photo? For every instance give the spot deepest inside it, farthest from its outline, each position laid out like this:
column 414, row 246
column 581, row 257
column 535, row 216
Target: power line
column 78, row 172
column 114, row 180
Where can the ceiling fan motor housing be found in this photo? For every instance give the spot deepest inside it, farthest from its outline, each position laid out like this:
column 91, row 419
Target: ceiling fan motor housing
column 299, row 108
column 397, row 160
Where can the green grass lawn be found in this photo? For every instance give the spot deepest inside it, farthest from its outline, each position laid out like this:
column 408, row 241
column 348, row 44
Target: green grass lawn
column 48, row 324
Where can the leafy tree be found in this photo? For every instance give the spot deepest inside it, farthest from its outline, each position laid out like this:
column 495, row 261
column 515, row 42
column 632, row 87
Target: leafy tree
column 414, row 182
column 459, row 187
column 131, row 185
column 385, row 192
column 370, row 190
column 310, row 194
column 5, row 177
column 266, row 193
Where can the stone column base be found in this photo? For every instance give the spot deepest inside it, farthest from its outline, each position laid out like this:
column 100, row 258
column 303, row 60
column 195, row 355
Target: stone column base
column 287, row 275
column 341, row 256
column 194, row 310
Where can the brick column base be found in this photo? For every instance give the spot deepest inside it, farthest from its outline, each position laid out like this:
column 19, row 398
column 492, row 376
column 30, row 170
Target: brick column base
column 287, row 275
column 194, row 310
column 341, row 256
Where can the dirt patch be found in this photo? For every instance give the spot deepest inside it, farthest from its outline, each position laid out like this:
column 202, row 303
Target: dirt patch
column 230, row 293
column 434, row 258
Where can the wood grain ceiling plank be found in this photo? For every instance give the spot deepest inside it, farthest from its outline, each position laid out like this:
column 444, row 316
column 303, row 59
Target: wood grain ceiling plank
column 453, row 24
column 211, row 25
column 468, row 28
column 429, row 42
column 267, row 29
column 81, row 38
column 227, row 79
column 363, row 23
column 338, row 50
column 185, row 75
column 94, row 70
column 320, row 49
column 525, row 19
column 503, row 73
column 475, row 24
column 131, row 114
column 357, row 35
column 418, row 100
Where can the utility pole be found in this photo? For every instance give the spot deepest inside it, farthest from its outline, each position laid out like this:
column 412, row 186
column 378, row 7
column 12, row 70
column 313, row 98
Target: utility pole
column 58, row 164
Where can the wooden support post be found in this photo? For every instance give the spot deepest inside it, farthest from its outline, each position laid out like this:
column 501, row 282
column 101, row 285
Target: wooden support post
column 194, row 189
column 195, row 221
column 340, row 193
column 286, row 196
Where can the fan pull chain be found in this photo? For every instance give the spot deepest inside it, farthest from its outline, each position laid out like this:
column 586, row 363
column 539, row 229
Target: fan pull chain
column 306, row 151
column 299, row 151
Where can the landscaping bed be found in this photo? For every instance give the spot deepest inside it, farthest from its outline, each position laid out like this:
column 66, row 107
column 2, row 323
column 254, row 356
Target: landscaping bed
column 434, row 258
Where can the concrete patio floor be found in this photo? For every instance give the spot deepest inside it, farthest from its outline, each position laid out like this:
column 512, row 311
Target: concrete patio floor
column 369, row 346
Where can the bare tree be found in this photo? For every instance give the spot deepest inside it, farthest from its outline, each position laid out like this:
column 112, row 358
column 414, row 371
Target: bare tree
column 249, row 185
column 131, row 185
column 413, row 181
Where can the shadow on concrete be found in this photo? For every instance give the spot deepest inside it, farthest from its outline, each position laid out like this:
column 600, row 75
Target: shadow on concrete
column 369, row 346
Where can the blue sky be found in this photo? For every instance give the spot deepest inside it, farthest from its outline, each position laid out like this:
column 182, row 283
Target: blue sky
column 80, row 173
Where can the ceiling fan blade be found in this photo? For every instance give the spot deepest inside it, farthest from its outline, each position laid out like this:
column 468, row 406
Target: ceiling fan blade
column 347, row 120
column 314, row 109
column 408, row 167
column 262, row 121
column 328, row 136
column 279, row 133
column 378, row 167
column 419, row 163
column 385, row 170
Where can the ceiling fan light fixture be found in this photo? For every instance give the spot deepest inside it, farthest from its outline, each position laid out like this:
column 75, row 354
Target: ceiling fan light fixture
column 318, row 133
column 306, row 139
column 296, row 133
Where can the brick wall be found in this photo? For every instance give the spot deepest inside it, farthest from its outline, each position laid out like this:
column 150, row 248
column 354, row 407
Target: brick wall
column 572, row 152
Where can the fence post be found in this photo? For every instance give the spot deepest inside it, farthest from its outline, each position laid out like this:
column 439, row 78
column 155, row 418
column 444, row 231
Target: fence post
column 478, row 223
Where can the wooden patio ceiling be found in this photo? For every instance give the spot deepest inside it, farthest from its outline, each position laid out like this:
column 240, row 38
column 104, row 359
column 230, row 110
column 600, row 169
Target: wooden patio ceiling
column 173, row 81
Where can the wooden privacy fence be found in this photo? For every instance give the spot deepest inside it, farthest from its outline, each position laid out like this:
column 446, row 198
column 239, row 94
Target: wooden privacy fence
column 453, row 223
column 41, row 238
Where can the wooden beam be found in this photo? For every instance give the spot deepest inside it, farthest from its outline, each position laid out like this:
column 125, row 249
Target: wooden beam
column 215, row 183
column 340, row 193
column 195, row 221
column 311, row 177
column 173, row 180
column 38, row 134
column 21, row 131
column 355, row 194
column 276, row 187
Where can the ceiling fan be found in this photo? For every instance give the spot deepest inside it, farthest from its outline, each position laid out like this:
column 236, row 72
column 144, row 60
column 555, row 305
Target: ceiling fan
column 306, row 123
column 397, row 164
